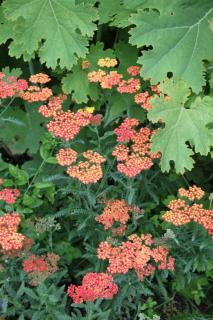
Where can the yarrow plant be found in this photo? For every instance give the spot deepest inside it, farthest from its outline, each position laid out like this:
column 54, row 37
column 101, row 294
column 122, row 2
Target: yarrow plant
column 133, row 85
column 138, row 253
column 94, row 286
column 134, row 154
column 185, row 209
column 40, row 267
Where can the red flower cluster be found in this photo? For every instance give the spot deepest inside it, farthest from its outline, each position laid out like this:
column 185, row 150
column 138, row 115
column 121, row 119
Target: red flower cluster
column 53, row 107
column 39, row 268
column 66, row 125
column 11, row 86
column 94, row 286
column 138, row 253
column 134, row 71
column 10, row 239
column 181, row 212
column 9, row 195
column 131, row 85
column 116, row 211
column 136, row 157
column 89, row 171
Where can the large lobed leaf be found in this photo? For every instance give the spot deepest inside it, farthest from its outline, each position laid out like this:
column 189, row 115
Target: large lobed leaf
column 180, row 35
column 185, row 131
column 22, row 131
column 58, row 29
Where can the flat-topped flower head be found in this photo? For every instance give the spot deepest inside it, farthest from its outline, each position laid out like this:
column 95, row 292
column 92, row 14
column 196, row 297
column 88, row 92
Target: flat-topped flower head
column 39, row 78
column 66, row 157
column 136, row 156
column 107, row 62
column 94, row 286
column 182, row 211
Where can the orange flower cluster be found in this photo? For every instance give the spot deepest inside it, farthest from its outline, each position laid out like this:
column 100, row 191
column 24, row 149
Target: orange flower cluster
column 107, row 62
column 129, row 86
column 192, row 193
column 138, row 254
column 116, row 211
column 89, row 171
column 136, row 157
column 181, row 212
column 66, row 157
column 11, row 86
column 94, row 286
column 39, row 78
column 10, row 239
column 9, row 195
column 39, row 268
column 35, row 93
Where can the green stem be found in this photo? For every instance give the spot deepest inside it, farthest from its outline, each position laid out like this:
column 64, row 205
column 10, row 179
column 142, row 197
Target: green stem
column 31, row 67
column 99, row 33
column 38, row 171
column 5, row 109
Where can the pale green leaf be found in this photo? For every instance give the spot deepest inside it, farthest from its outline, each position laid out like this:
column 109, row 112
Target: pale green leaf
column 185, row 131
column 57, row 29
column 180, row 38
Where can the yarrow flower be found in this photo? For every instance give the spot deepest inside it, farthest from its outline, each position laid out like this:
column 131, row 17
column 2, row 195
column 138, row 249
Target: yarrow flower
column 66, row 125
column 85, row 64
column 138, row 253
column 9, row 195
column 39, row 78
column 116, row 211
column 11, row 86
column 89, row 171
column 94, row 286
column 110, row 80
column 96, row 76
column 39, row 268
column 66, row 157
column 35, row 94
column 107, row 62
column 137, row 157
column 181, row 212
column 10, row 239
column 131, row 85
column 134, row 71
column 53, row 107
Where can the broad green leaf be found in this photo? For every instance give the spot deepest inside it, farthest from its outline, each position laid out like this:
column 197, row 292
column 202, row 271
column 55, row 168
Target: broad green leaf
column 20, row 176
column 126, row 54
column 77, row 81
column 22, row 131
column 59, row 30
column 5, row 28
column 180, row 38
column 114, row 13
column 185, row 131
column 15, row 72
